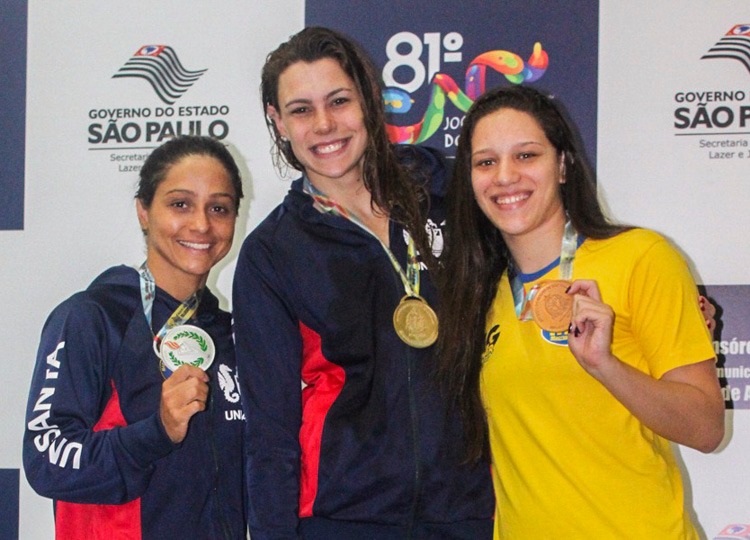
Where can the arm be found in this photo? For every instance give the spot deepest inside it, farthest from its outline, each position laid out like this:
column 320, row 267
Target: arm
column 269, row 352
column 684, row 404
column 77, row 447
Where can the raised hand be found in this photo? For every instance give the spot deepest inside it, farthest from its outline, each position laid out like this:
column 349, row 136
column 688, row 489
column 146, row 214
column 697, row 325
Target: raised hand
column 183, row 394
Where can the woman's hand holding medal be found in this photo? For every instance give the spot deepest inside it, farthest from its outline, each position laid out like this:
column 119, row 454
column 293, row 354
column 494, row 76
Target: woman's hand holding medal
column 591, row 326
column 592, row 323
column 183, row 394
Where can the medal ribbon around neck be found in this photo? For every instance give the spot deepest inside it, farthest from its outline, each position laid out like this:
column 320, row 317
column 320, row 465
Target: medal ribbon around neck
column 521, row 299
column 325, row 205
column 414, row 320
column 182, row 314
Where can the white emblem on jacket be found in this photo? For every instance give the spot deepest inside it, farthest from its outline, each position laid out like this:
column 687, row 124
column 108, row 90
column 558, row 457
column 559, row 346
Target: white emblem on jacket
column 229, row 384
column 435, row 235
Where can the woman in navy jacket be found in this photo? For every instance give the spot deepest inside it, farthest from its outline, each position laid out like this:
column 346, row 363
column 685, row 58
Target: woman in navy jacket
column 126, row 447
column 334, row 318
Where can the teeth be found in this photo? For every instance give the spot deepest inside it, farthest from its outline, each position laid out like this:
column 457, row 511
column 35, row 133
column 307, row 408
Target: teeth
column 329, row 148
column 511, row 199
column 193, row 245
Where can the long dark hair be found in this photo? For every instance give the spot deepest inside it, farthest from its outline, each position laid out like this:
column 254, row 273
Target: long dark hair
column 389, row 183
column 476, row 255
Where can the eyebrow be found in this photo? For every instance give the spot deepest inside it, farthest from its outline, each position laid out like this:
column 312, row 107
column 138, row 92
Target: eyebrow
column 327, row 96
column 517, row 145
column 180, row 191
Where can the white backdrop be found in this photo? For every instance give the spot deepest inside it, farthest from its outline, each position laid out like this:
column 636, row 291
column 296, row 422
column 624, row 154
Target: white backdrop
column 657, row 175
column 79, row 213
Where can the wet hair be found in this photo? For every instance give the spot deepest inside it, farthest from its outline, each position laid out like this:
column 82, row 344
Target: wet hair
column 476, row 255
column 390, row 183
column 158, row 163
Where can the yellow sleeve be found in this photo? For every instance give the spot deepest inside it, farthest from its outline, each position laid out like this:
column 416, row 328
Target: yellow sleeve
column 667, row 320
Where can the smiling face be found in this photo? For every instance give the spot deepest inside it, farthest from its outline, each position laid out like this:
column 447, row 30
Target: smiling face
column 320, row 113
column 189, row 225
column 516, row 175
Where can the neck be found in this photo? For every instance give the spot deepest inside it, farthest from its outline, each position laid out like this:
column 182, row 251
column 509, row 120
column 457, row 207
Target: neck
column 532, row 252
column 356, row 198
column 178, row 285
column 348, row 192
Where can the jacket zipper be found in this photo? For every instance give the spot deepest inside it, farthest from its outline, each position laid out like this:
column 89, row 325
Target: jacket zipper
column 217, row 469
column 415, row 438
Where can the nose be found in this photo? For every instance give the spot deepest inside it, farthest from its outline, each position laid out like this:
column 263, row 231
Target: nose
column 324, row 121
column 200, row 221
column 507, row 173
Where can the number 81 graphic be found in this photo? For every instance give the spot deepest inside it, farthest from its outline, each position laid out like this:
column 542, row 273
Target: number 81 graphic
column 404, row 50
column 451, row 42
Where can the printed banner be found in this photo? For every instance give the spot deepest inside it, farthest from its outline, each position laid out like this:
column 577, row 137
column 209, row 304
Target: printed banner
column 12, row 112
column 732, row 342
column 9, row 479
column 436, row 57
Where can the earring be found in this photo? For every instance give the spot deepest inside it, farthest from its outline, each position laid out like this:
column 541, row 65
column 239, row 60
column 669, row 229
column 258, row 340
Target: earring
column 284, row 139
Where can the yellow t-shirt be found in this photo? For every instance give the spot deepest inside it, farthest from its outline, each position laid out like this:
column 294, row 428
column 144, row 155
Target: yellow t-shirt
column 569, row 461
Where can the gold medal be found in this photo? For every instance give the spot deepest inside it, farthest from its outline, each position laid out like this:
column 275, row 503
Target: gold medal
column 551, row 306
column 415, row 322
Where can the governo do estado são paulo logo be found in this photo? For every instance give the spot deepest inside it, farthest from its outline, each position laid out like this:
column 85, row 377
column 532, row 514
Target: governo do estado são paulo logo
column 160, row 67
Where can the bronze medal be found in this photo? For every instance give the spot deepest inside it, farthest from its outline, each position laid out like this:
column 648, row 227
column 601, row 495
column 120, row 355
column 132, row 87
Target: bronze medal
column 551, row 306
column 415, row 322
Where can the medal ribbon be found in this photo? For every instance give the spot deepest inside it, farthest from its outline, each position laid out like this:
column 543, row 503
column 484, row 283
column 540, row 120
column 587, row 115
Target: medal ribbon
column 325, row 205
column 567, row 256
column 182, row 314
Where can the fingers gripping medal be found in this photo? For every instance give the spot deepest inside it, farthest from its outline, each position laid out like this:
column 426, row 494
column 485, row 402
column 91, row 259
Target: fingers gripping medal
column 187, row 345
column 551, row 306
column 415, row 322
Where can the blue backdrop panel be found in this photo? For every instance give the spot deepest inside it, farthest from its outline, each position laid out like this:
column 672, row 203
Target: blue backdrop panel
column 12, row 112
column 8, row 504
column 421, row 45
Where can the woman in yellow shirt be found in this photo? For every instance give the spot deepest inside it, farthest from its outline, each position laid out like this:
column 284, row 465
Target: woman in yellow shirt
column 579, row 404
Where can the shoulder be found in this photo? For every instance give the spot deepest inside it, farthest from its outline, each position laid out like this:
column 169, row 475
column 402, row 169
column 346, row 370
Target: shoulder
column 108, row 302
column 637, row 241
column 647, row 245
column 113, row 288
column 287, row 232
column 422, row 156
column 262, row 240
column 115, row 285
column 425, row 163
column 296, row 205
column 641, row 237
column 638, row 250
